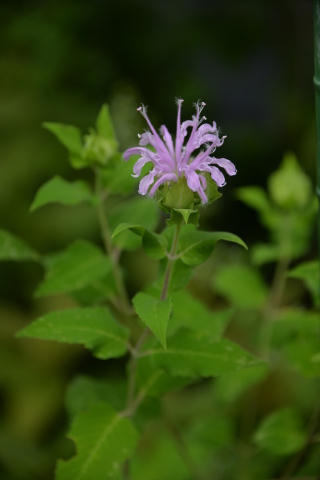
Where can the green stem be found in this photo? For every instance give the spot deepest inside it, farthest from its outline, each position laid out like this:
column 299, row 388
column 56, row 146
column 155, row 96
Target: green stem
column 171, row 260
column 275, row 297
column 106, row 236
column 133, row 402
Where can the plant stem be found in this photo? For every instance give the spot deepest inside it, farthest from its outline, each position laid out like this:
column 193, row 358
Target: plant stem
column 106, row 236
column 135, row 352
column 171, row 260
column 133, row 402
column 274, row 301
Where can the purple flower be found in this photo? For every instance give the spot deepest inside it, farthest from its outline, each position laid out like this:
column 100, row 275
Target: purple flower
column 173, row 161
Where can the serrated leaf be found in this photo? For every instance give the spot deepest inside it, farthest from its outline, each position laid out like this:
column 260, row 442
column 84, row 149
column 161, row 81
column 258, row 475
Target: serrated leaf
column 84, row 392
column 154, row 313
column 14, row 249
column 68, row 135
column 95, row 328
column 242, row 285
column 281, row 432
column 139, row 211
column 153, row 244
column 193, row 354
column 195, row 247
column 104, row 123
column 104, row 440
column 58, row 190
column 81, row 264
column 188, row 312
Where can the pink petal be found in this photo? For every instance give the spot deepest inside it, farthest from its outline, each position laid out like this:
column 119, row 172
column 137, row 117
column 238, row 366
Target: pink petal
column 226, row 164
column 168, row 139
column 202, row 195
column 139, row 164
column 167, row 177
column 192, row 180
column 215, row 173
column 203, row 181
column 146, row 182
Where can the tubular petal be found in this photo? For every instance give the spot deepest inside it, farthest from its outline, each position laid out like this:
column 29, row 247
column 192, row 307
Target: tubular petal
column 167, row 177
column 224, row 163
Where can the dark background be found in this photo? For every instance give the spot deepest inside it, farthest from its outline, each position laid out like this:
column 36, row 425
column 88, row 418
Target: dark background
column 250, row 61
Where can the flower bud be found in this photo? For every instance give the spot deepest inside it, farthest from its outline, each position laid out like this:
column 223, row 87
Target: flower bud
column 289, row 187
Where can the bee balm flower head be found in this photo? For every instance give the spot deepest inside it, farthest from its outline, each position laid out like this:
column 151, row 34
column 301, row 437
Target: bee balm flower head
column 190, row 156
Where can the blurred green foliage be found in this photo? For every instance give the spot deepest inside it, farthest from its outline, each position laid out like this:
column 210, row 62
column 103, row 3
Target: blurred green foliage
column 252, row 62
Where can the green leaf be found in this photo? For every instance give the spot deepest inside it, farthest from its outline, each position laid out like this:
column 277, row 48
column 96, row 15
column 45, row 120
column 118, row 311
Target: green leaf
column 302, row 356
column 229, row 387
column 155, row 382
column 154, row 313
column 212, row 430
column 14, row 249
column 309, row 272
column 212, row 191
column 104, row 123
column 195, row 247
column 194, row 354
column 188, row 312
column 117, row 177
column 95, row 328
column 139, row 211
column 153, row 244
column 58, row 190
column 81, row 264
column 179, row 196
column 295, row 323
column 281, row 432
column 97, row 292
column 104, row 440
column 262, row 253
column 84, row 392
column 183, row 216
column 68, row 135
column 242, row 286
column 255, row 197
column 137, row 229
